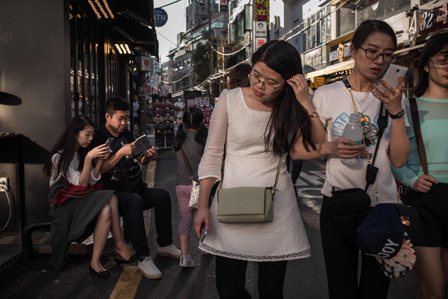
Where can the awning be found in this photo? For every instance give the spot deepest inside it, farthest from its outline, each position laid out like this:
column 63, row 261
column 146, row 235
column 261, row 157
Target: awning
column 141, row 36
column 346, row 65
column 132, row 22
column 405, row 51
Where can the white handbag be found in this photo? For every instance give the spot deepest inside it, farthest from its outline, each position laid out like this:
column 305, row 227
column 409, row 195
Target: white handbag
column 194, row 195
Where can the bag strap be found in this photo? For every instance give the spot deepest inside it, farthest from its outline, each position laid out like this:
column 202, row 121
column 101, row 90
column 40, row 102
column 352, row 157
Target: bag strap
column 278, row 172
column 187, row 164
column 418, row 134
column 276, row 176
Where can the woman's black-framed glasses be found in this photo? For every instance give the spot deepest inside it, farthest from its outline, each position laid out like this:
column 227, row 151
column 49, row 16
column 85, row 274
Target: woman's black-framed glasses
column 268, row 86
column 374, row 54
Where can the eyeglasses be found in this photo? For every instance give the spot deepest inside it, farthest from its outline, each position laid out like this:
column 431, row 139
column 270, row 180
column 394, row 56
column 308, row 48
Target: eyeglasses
column 269, row 87
column 375, row 54
column 440, row 64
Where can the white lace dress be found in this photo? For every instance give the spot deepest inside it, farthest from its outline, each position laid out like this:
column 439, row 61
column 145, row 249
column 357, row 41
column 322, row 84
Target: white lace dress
column 247, row 164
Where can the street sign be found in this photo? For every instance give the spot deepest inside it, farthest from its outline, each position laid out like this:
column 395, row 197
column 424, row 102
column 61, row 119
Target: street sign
column 160, row 17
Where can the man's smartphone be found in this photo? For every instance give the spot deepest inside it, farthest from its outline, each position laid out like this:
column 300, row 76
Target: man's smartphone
column 109, row 141
column 391, row 75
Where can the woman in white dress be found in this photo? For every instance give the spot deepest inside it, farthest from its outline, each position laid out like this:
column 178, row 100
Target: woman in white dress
column 254, row 124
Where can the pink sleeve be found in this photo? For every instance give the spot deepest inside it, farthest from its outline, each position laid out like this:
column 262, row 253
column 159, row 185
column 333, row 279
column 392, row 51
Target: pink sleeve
column 211, row 162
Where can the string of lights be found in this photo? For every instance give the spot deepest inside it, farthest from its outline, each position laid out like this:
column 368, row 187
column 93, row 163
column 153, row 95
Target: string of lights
column 230, row 54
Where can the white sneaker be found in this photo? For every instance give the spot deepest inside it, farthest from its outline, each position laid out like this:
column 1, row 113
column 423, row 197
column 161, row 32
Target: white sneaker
column 169, row 250
column 186, row 261
column 149, row 269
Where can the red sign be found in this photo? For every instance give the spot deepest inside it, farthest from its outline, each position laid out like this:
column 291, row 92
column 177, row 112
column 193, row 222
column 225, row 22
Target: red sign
column 207, row 110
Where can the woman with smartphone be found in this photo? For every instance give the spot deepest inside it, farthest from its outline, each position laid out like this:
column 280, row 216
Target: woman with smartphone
column 70, row 164
column 428, row 189
column 372, row 48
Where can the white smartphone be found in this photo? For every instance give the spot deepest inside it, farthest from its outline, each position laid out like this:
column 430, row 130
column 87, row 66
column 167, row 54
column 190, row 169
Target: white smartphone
column 391, row 75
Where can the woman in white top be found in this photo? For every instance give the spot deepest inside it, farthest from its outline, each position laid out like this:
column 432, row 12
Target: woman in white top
column 70, row 163
column 255, row 124
column 372, row 48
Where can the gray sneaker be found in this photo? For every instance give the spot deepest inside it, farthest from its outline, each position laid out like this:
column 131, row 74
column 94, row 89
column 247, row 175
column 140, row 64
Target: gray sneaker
column 186, row 261
column 149, row 269
column 169, row 250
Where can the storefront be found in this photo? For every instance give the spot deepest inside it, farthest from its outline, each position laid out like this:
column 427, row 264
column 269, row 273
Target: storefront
column 61, row 58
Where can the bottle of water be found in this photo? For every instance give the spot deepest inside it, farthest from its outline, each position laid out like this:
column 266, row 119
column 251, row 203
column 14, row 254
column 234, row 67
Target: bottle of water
column 353, row 130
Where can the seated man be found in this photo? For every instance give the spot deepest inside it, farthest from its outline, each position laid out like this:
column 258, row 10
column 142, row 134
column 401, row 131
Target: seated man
column 133, row 202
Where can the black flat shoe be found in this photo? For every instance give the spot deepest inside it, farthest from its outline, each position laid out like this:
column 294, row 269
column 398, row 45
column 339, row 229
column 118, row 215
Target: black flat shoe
column 120, row 260
column 103, row 274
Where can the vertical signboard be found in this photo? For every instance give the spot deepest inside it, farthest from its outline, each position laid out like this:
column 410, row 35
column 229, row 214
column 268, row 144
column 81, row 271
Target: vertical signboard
column 261, row 9
column 221, row 44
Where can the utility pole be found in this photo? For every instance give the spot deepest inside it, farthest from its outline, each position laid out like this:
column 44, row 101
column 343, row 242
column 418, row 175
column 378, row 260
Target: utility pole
column 211, row 45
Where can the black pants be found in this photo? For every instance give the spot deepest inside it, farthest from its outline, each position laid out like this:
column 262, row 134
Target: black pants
column 132, row 205
column 231, row 279
column 341, row 262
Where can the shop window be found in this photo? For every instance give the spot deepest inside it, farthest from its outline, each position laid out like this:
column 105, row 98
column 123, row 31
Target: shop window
column 346, row 20
column 83, row 64
column 381, row 10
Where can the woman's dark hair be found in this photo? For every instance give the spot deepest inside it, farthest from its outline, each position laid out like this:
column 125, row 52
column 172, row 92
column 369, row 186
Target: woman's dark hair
column 288, row 115
column 66, row 146
column 433, row 46
column 193, row 119
column 238, row 76
column 370, row 26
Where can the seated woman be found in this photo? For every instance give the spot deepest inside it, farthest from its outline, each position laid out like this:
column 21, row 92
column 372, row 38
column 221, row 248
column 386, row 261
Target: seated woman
column 70, row 163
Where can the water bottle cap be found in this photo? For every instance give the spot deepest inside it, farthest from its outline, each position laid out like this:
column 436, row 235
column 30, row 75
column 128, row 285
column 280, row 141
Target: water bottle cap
column 355, row 117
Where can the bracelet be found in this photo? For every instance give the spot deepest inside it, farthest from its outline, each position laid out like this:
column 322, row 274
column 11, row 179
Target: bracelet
column 398, row 115
column 314, row 114
column 319, row 149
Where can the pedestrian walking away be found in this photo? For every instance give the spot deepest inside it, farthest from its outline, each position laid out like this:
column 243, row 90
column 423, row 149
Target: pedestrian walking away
column 70, row 164
column 372, row 47
column 253, row 125
column 426, row 179
column 189, row 143
column 123, row 174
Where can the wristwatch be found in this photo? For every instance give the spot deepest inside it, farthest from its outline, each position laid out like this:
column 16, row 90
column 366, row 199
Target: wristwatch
column 398, row 115
column 313, row 114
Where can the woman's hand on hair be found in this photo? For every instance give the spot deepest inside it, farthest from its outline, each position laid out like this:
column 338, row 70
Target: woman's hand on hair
column 391, row 97
column 101, row 151
column 343, row 148
column 301, row 89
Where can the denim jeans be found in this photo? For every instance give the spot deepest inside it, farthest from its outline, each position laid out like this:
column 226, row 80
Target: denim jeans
column 132, row 205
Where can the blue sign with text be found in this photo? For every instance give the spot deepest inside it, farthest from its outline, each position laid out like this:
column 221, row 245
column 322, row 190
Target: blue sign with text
column 160, row 17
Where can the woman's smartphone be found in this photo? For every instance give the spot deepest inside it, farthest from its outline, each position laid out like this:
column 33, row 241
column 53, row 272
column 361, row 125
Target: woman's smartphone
column 109, row 141
column 391, row 75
